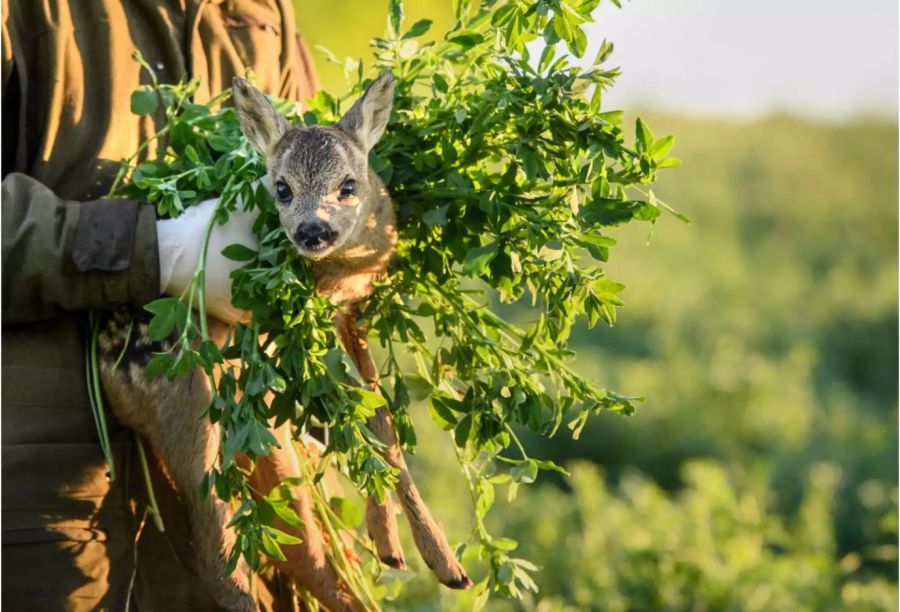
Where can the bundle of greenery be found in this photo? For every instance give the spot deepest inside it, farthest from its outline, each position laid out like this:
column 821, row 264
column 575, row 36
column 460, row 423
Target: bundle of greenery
column 505, row 172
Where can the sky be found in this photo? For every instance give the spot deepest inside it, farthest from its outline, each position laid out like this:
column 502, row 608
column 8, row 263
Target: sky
column 830, row 59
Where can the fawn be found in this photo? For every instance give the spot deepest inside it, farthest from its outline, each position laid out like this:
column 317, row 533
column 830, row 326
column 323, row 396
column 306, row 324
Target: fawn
column 339, row 216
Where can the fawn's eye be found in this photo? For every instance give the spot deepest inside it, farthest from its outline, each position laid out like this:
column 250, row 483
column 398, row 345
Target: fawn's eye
column 348, row 189
column 283, row 192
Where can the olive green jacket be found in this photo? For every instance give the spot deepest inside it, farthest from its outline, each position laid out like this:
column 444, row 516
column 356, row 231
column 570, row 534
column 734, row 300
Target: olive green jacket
column 67, row 77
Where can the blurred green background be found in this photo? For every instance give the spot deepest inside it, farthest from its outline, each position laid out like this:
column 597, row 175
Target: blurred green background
column 761, row 472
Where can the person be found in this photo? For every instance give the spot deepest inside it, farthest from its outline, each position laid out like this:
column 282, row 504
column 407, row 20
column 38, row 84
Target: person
column 72, row 538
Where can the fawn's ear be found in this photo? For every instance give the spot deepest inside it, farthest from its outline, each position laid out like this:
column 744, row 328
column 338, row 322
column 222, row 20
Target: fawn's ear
column 366, row 120
column 261, row 123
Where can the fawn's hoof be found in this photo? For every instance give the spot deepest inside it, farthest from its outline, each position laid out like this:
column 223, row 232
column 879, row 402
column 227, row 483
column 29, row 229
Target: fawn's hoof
column 459, row 583
column 395, row 562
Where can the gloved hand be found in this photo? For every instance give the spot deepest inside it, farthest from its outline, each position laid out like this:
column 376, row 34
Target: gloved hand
column 180, row 240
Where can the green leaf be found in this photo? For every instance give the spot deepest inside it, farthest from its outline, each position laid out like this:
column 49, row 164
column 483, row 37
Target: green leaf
column 235, row 554
column 395, row 13
column 441, row 413
column 603, row 53
column 504, row 14
column 234, row 443
column 466, row 39
column 463, row 431
column 436, row 216
column 461, row 7
column 525, row 471
column 477, row 259
column 440, row 83
column 191, row 154
column 144, row 101
column 598, row 246
column 670, row 210
column 607, row 211
column 158, row 364
column 276, row 504
column 504, row 574
column 578, row 43
column 259, row 439
column 209, row 352
column 669, row 162
column 485, row 498
column 547, row 57
column 418, row 28
column 645, row 211
column 504, row 544
column 661, row 147
column 270, row 547
column 284, row 538
column 419, row 387
column 168, row 313
column 369, row 400
column 238, row 252
column 643, row 135
column 482, row 595
column 562, row 27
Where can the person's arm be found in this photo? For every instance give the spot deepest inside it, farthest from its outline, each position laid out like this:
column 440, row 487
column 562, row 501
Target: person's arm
column 67, row 255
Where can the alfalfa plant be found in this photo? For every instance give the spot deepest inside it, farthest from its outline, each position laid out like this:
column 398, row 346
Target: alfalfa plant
column 506, row 172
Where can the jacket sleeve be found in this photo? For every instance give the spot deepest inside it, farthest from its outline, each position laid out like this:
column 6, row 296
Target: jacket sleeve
column 67, row 255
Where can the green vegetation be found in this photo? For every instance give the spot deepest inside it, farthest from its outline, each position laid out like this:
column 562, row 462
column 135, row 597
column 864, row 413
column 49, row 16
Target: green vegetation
column 347, row 28
column 760, row 474
column 506, row 174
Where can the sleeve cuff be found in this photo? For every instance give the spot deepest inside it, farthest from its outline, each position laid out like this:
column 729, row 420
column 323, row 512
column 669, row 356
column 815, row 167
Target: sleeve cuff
column 143, row 275
column 115, row 249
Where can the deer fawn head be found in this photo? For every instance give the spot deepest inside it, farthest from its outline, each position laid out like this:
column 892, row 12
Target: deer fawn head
column 327, row 197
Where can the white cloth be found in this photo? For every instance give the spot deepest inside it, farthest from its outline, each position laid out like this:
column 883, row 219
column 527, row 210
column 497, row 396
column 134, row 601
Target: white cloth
column 180, row 241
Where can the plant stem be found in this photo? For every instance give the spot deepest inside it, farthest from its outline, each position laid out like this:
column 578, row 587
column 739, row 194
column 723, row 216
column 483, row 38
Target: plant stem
column 479, row 523
column 151, row 497
column 324, row 511
column 125, row 343
column 97, row 396
column 518, row 442
column 200, row 278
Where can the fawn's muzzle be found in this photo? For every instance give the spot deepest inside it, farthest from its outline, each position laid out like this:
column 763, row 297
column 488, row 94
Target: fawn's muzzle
column 314, row 235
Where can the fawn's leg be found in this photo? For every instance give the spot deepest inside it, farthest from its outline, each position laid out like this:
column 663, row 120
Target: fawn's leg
column 168, row 414
column 427, row 534
column 305, row 562
column 381, row 524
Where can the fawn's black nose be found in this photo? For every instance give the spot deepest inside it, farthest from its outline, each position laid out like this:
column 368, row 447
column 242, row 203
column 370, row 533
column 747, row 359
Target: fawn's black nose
column 314, row 235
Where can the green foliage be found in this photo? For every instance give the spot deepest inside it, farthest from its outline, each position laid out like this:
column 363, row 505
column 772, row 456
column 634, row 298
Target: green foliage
column 505, row 173
column 716, row 545
column 765, row 339
column 777, row 342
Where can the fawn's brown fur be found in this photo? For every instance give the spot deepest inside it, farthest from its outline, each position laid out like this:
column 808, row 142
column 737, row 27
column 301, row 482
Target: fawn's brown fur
column 339, row 215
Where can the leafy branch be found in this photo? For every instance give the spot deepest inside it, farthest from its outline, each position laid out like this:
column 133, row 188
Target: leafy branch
column 505, row 173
